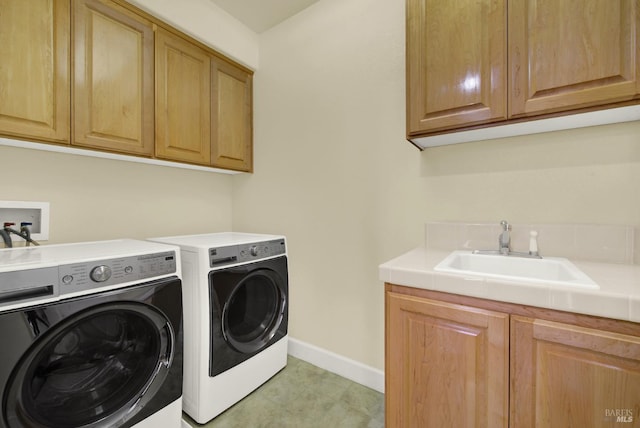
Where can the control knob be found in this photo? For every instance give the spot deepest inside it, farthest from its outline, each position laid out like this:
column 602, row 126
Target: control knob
column 100, row 273
column 254, row 250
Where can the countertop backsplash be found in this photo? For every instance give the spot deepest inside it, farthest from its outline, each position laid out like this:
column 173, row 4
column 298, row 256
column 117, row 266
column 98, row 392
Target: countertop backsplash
column 596, row 243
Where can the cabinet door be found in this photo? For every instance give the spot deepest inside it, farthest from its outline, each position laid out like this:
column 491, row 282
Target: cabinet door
column 34, row 69
column 456, row 64
column 183, row 100
column 568, row 376
column 232, row 116
column 113, row 79
column 570, row 54
column 446, row 364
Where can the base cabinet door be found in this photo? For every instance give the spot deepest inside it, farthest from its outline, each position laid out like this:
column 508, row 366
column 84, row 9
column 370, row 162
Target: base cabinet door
column 113, row 79
column 446, row 364
column 34, row 69
column 569, row 376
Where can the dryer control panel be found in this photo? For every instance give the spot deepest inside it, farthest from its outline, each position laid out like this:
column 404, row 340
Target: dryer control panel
column 87, row 275
column 232, row 254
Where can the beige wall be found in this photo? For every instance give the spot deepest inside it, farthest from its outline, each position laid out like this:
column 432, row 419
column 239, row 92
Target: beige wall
column 588, row 175
column 332, row 170
column 334, row 173
column 95, row 199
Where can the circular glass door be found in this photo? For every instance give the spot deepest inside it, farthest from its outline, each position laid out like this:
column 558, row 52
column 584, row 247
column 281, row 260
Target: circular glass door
column 92, row 369
column 253, row 311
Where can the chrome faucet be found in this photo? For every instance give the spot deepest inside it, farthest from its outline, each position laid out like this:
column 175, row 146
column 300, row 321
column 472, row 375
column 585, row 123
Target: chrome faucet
column 504, row 240
column 504, row 244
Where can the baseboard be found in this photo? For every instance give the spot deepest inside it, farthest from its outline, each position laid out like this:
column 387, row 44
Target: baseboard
column 342, row 366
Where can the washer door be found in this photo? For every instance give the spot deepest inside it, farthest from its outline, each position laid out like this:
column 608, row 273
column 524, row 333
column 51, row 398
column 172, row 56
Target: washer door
column 253, row 311
column 93, row 369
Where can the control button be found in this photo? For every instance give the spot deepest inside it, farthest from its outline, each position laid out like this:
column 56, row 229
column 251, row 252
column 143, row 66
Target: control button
column 100, row 273
column 254, row 250
column 67, row 279
column 128, row 269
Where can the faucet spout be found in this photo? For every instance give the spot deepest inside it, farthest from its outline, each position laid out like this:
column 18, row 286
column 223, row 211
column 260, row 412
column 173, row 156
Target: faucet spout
column 6, row 238
column 504, row 244
column 504, row 240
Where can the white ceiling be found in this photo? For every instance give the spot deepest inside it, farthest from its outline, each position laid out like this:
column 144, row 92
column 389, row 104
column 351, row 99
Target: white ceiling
column 260, row 15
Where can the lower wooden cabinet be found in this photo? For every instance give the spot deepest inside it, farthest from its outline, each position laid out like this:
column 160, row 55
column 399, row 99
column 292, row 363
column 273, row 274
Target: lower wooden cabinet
column 457, row 361
column 447, row 365
column 568, row 376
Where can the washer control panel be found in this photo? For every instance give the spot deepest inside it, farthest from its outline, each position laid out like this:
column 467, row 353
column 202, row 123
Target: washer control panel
column 233, row 254
column 87, row 275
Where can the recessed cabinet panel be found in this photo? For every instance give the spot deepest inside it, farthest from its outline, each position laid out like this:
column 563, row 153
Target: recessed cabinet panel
column 565, row 55
column 456, row 64
column 231, row 117
column 447, row 365
column 569, row 376
column 34, row 69
column 113, row 79
column 183, row 96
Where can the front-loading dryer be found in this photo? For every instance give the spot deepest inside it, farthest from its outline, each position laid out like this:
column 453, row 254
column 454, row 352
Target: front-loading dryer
column 236, row 301
column 91, row 336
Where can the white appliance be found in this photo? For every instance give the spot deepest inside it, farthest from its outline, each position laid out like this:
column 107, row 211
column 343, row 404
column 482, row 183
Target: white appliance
column 92, row 335
column 236, row 317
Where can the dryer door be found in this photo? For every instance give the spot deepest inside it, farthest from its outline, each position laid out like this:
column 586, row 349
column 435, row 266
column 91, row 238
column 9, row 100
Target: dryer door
column 253, row 311
column 91, row 369
column 249, row 311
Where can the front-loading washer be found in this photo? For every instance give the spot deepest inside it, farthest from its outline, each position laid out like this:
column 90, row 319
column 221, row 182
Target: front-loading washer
column 236, row 317
column 91, row 335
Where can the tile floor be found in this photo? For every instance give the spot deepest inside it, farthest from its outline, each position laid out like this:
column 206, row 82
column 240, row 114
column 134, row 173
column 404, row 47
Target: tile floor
column 304, row 396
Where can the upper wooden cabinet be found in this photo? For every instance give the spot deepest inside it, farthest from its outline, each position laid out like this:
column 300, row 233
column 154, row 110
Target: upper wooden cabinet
column 183, row 100
column 456, row 64
column 105, row 75
column 204, row 109
column 473, row 64
column 564, row 55
column 113, row 79
column 34, row 69
column 232, row 116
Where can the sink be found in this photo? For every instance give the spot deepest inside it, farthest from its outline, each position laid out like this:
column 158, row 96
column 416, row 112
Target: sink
column 549, row 270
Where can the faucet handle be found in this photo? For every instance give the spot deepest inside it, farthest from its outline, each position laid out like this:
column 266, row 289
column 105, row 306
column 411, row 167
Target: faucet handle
column 505, row 225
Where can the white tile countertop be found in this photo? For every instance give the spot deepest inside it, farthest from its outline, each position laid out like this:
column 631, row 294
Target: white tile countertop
column 617, row 297
column 605, row 253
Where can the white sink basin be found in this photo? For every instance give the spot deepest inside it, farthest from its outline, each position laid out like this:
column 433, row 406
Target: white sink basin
column 549, row 270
